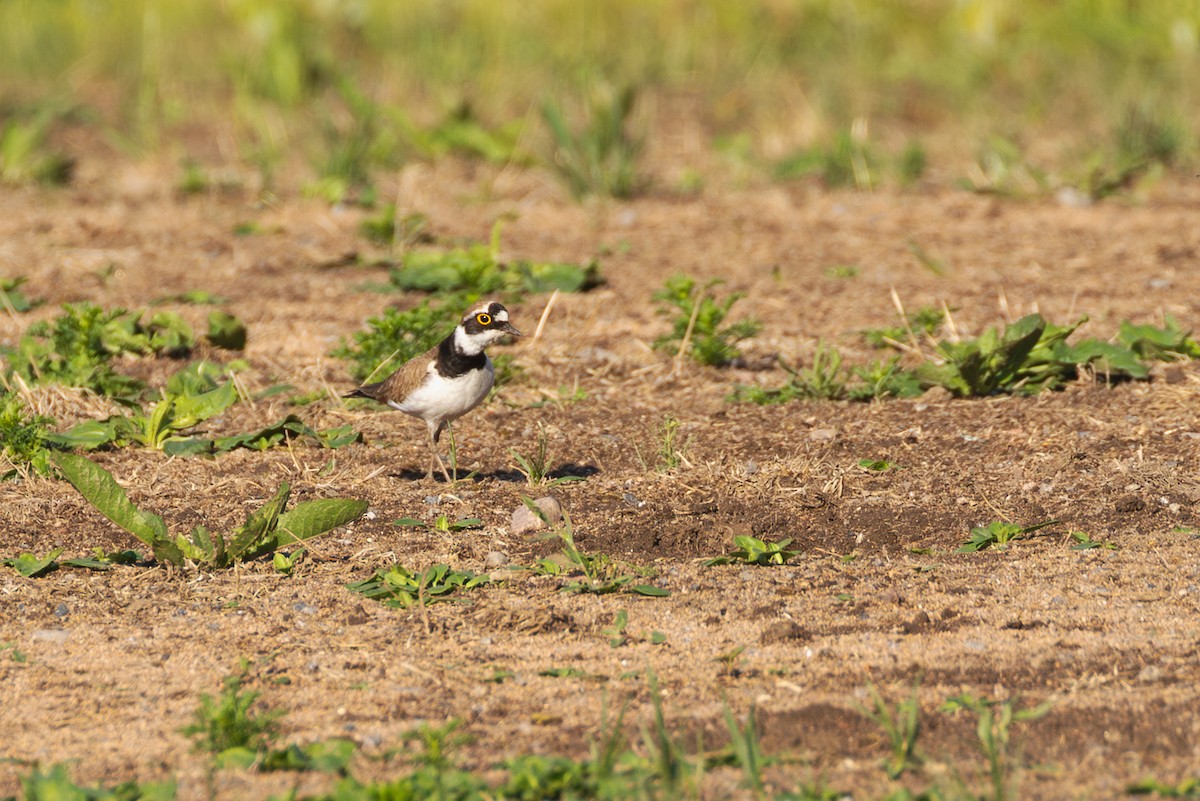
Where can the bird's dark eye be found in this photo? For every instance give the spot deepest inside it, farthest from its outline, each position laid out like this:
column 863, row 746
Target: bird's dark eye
column 483, row 319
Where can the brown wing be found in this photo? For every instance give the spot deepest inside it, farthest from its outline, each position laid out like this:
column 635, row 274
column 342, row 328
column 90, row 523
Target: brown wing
column 401, row 383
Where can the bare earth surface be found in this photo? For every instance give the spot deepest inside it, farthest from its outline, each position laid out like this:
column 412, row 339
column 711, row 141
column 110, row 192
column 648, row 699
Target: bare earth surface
column 115, row 661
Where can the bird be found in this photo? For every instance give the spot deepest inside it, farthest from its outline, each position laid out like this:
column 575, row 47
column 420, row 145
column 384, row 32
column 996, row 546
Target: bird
column 448, row 380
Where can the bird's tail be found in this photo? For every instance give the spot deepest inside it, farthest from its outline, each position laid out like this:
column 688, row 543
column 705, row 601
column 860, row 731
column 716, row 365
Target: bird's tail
column 365, row 391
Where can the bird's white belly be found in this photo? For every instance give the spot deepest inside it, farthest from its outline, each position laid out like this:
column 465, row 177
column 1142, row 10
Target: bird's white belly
column 440, row 398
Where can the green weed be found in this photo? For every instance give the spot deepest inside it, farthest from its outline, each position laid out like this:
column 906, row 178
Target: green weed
column 477, row 271
column 441, row 523
column 1185, row 788
column 25, row 156
column 77, row 347
column 698, row 328
column 394, row 338
column 266, row 529
column 672, row 451
column 23, row 438
column 926, row 321
column 999, row 534
column 901, row 726
column 536, row 466
column 994, row 734
column 55, row 783
column 600, row 157
column 1084, row 542
column 851, row 160
column 599, row 574
column 753, row 551
column 229, row 721
column 400, row 588
column 13, row 298
column 619, row 635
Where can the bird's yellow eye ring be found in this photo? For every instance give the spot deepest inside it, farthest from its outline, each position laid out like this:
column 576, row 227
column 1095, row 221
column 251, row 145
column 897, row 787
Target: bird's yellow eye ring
column 483, row 319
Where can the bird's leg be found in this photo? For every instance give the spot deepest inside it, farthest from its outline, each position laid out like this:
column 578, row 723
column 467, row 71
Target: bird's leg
column 435, row 433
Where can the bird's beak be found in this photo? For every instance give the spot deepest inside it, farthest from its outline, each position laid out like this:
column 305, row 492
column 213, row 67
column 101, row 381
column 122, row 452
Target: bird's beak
column 507, row 328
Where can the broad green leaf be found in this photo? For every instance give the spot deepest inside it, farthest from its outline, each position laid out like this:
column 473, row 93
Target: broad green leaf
column 31, row 566
column 312, row 518
column 87, row 435
column 100, row 489
column 193, row 409
column 650, row 590
column 226, row 331
column 253, row 538
column 191, row 446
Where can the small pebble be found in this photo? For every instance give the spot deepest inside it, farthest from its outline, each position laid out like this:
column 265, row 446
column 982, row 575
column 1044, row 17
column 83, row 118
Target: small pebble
column 62, row 610
column 57, row 636
column 304, row 608
column 496, row 559
column 524, row 521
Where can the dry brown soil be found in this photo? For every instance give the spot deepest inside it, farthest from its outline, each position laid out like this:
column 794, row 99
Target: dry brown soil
column 115, row 661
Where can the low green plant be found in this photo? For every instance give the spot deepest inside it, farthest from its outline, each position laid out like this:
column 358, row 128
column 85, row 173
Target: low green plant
column 395, row 337
column 753, row 551
column 925, row 321
column 400, row 588
column 78, row 346
column 600, row 575
column 23, row 438
column 475, row 271
column 536, row 466
column 441, row 523
column 600, row 157
column 1001, row 168
column 25, row 156
column 1084, row 542
column 672, row 451
column 901, row 726
column 226, row 331
column 13, row 298
column 747, row 749
column 266, row 529
column 229, row 721
column 462, row 133
column 619, row 635
column 355, row 142
column 850, row 160
column 999, row 534
column 878, row 465
column 45, row 784
column 698, row 321
column 993, row 730
column 1184, row 788
column 164, row 427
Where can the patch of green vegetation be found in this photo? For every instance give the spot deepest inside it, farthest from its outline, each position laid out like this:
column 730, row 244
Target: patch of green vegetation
column 400, row 588
column 229, row 721
column 995, row 719
column 827, row 379
column 356, row 140
column 462, row 133
column 901, row 726
column 77, row 348
column 33, row 566
column 55, row 783
column 1001, row 168
column 478, row 271
column 1027, row 357
column 600, row 156
column 441, row 523
column 672, row 451
column 878, row 465
column 13, row 298
column 999, row 534
column 599, row 575
column 1084, row 542
column 924, row 321
column 536, row 467
column 1184, row 788
column 619, row 635
column 266, row 529
column 698, row 327
column 24, row 437
column 753, row 551
column 850, row 160
column 394, row 338
column 25, row 154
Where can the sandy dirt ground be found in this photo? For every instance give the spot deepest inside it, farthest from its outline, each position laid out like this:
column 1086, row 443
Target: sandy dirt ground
column 115, row 661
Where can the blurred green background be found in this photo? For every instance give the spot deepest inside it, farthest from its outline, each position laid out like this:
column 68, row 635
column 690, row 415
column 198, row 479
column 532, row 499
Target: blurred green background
column 1012, row 96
